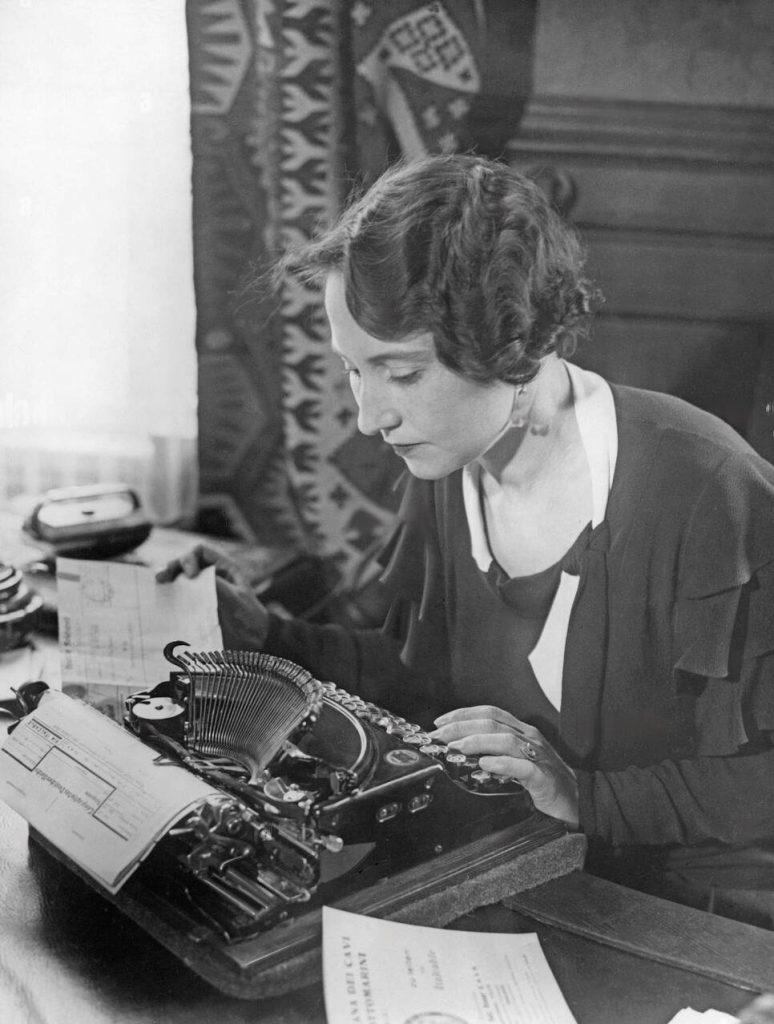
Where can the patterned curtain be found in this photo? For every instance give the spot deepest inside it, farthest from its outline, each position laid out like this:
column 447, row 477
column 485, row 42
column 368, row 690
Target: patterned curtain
column 292, row 102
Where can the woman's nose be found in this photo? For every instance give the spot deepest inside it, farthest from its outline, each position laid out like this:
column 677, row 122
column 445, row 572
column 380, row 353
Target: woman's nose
column 376, row 413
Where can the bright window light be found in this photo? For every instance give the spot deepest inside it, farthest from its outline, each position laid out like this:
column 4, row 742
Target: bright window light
column 97, row 307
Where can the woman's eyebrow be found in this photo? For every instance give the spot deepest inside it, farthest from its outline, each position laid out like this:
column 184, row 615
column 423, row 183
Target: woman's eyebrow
column 415, row 356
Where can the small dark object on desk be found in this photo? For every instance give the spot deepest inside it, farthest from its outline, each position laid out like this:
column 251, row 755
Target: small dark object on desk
column 19, row 609
column 99, row 521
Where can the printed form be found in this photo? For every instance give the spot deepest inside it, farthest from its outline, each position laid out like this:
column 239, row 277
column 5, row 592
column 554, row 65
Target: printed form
column 115, row 620
column 91, row 788
column 381, row 972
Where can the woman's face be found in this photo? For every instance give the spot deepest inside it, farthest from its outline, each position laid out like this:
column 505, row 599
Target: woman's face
column 436, row 420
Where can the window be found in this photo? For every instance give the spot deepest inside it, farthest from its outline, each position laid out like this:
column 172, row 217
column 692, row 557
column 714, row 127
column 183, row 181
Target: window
column 97, row 360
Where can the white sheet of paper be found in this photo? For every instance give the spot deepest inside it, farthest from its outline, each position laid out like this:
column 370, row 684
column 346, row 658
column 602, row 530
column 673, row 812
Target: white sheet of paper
column 381, row 972
column 690, row 1016
column 115, row 620
column 92, row 788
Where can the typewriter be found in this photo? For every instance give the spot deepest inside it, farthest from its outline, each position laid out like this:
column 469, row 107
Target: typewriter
column 321, row 797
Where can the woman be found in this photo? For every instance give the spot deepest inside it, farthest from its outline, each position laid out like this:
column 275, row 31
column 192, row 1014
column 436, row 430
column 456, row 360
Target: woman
column 582, row 574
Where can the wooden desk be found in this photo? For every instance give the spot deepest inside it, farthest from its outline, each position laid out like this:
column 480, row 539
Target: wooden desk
column 68, row 957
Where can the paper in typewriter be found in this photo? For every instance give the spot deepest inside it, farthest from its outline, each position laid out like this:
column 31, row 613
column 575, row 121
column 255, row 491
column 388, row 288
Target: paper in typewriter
column 91, row 788
column 382, row 972
column 115, row 620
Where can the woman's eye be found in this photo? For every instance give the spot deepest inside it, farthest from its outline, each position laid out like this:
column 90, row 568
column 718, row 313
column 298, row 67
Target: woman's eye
column 405, row 378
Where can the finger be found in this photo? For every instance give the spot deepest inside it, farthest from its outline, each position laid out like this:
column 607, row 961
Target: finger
column 760, row 1011
column 224, row 566
column 225, row 569
column 479, row 711
column 504, row 743
column 468, row 727
column 169, row 572
column 488, row 712
column 524, row 772
column 192, row 562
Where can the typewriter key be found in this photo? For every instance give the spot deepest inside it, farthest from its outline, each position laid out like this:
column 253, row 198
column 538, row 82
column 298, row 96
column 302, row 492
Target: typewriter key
column 455, row 763
column 404, row 731
column 432, row 749
column 417, row 739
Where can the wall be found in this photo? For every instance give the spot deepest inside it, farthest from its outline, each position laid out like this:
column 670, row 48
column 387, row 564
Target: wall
column 714, row 52
column 663, row 116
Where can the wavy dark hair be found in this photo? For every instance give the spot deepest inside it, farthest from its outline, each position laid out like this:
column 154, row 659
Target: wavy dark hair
column 467, row 249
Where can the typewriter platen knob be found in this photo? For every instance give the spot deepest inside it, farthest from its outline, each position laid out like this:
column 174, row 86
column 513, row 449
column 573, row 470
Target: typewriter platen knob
column 164, row 714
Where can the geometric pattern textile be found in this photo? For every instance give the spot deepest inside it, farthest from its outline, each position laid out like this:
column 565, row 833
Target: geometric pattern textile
column 292, row 101
column 453, row 75
column 243, row 489
column 278, row 459
column 416, row 75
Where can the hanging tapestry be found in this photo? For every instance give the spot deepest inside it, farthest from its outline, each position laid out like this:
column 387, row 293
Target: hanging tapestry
column 292, row 102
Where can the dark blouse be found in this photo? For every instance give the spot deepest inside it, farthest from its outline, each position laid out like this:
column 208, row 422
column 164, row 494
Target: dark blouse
column 668, row 684
column 505, row 615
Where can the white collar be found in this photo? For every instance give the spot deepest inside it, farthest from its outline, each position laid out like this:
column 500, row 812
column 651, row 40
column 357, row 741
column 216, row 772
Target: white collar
column 595, row 414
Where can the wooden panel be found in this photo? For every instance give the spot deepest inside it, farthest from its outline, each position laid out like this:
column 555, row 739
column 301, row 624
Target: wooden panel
column 687, row 359
column 557, row 127
column 683, row 276
column 676, row 206
column 722, row 201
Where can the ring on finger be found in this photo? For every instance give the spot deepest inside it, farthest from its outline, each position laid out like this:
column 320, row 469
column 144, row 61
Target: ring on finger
column 529, row 751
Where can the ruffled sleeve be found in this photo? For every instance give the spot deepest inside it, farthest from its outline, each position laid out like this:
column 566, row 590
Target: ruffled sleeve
column 413, row 576
column 724, row 615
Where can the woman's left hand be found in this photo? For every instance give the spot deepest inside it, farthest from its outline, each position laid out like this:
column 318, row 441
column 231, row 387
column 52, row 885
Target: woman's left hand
column 516, row 750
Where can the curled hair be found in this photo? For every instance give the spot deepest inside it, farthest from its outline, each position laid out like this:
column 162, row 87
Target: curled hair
column 467, row 249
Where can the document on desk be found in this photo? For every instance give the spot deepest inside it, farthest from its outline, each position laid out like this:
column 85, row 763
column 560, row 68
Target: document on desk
column 91, row 788
column 381, row 972
column 115, row 620
column 690, row 1016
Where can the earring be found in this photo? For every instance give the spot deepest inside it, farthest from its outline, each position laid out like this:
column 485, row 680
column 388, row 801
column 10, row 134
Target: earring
column 520, row 410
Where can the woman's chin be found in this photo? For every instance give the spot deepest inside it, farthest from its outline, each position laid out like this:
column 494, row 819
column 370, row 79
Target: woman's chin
column 425, row 467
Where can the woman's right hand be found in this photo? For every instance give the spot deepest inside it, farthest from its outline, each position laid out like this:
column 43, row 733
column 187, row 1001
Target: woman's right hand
column 244, row 621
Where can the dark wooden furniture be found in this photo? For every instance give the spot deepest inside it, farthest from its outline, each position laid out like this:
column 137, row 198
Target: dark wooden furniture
column 674, row 203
